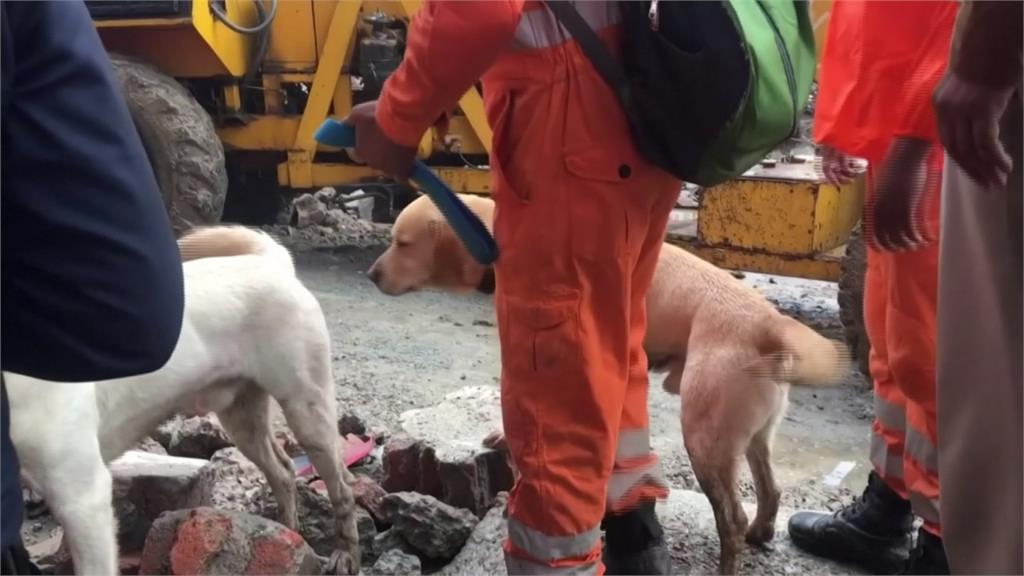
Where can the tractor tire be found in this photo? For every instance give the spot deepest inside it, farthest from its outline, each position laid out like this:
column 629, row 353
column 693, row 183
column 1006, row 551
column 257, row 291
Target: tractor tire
column 851, row 301
column 180, row 140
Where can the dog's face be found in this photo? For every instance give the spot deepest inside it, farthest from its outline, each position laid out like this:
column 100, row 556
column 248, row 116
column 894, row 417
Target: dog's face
column 425, row 252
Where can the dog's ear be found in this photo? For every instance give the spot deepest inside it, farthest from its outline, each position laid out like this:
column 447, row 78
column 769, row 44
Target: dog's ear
column 453, row 266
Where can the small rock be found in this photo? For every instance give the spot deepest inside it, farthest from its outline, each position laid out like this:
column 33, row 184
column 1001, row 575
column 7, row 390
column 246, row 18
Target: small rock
column 198, row 437
column 205, row 541
column 150, row 445
column 482, row 553
column 380, row 434
column 228, row 482
column 370, row 496
column 326, row 195
column 390, row 540
column 145, row 486
column 433, row 528
column 351, row 424
column 483, row 323
column 367, row 534
column 316, row 516
column 309, row 211
column 397, row 563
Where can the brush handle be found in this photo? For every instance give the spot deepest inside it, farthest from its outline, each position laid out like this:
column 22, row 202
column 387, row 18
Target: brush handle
column 467, row 225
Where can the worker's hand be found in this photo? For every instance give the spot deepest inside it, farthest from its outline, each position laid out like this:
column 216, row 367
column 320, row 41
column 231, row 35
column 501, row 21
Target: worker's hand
column 894, row 215
column 968, row 120
column 374, row 147
column 838, row 168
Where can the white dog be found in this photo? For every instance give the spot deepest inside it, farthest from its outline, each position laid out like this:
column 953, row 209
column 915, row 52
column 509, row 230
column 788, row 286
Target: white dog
column 251, row 331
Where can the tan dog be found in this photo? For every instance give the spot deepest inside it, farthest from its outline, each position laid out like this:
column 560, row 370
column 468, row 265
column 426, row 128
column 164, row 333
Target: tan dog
column 726, row 350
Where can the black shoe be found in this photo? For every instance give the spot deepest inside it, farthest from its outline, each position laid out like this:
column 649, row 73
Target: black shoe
column 928, row 556
column 635, row 543
column 873, row 532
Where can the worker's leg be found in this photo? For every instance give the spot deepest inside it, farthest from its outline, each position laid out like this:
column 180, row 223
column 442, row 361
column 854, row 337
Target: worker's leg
column 568, row 194
column 633, row 535
column 873, row 531
column 980, row 379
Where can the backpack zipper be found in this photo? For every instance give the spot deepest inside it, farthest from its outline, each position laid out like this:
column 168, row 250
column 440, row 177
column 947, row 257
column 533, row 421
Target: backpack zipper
column 787, row 65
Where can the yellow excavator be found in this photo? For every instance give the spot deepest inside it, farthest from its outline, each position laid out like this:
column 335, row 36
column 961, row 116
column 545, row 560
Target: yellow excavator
column 227, row 94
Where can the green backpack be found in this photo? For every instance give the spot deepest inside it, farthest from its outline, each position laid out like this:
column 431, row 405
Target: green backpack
column 709, row 87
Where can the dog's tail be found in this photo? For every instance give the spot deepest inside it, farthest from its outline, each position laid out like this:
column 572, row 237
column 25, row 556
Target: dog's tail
column 792, row 352
column 225, row 241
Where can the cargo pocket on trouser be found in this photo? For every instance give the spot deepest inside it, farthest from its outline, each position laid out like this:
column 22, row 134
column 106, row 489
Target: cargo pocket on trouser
column 545, row 400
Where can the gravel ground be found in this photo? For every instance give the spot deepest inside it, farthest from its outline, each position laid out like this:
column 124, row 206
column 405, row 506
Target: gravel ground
column 394, row 354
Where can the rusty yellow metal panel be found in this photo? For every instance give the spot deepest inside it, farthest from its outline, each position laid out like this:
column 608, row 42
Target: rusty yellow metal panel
column 195, row 47
column 775, row 217
column 784, row 209
column 819, row 267
column 293, row 46
column 461, row 180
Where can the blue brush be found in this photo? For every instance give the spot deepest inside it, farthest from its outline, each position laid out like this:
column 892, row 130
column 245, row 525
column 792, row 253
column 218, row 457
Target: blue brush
column 467, row 226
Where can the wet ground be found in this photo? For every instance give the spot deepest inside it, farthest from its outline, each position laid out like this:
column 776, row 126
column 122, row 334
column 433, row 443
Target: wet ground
column 393, row 354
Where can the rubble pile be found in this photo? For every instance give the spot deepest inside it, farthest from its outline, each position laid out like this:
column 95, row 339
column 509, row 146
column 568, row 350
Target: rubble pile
column 319, row 220
column 188, row 501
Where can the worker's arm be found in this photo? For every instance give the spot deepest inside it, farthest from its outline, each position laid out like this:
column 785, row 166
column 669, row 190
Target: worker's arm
column 985, row 69
column 450, row 45
column 92, row 280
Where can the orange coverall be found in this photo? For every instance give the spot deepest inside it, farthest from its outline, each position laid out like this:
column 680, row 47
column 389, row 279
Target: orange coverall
column 881, row 63
column 579, row 220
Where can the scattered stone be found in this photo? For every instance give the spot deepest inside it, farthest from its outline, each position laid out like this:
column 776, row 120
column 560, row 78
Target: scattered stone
column 390, row 540
column 198, row 437
column 165, row 431
column 150, row 445
column 367, row 534
column 454, row 468
column 380, row 434
column 370, row 496
column 309, row 211
column 350, row 423
column 326, row 195
column 482, row 553
column 50, row 553
column 145, row 486
column 228, row 482
column 316, row 516
column 433, row 528
column 204, row 541
column 397, row 563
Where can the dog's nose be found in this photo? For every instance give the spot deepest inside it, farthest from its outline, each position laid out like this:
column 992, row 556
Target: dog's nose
column 374, row 274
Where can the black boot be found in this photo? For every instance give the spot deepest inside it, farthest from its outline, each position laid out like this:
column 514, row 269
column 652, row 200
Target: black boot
column 635, row 543
column 873, row 532
column 928, row 556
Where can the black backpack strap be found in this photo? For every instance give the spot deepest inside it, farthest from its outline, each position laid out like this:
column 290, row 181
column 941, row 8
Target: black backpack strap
column 595, row 50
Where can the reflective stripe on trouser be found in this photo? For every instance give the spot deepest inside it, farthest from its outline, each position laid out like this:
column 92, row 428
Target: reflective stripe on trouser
column 529, row 551
column 899, row 314
column 580, row 218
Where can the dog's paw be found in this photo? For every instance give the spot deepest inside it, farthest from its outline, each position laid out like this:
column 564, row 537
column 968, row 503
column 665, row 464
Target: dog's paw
column 760, row 534
column 344, row 563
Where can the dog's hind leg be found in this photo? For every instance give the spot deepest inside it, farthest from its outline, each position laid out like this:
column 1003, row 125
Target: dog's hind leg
column 247, row 422
column 759, row 457
column 312, row 421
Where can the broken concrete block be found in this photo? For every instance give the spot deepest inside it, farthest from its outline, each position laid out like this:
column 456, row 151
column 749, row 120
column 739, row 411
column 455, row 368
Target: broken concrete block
column 316, row 516
column 433, row 528
column 455, row 468
column 390, row 539
column 229, row 481
column 309, row 211
column 198, row 437
column 150, row 445
column 326, row 195
column 205, row 541
column 145, row 486
column 397, row 563
column 482, row 553
column 165, row 431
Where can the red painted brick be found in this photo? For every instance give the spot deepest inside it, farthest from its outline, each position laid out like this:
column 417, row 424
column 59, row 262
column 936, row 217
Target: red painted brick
column 199, row 537
column 274, row 554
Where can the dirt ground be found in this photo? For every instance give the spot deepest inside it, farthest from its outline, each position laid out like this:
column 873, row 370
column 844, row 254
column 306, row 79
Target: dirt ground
column 394, row 354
